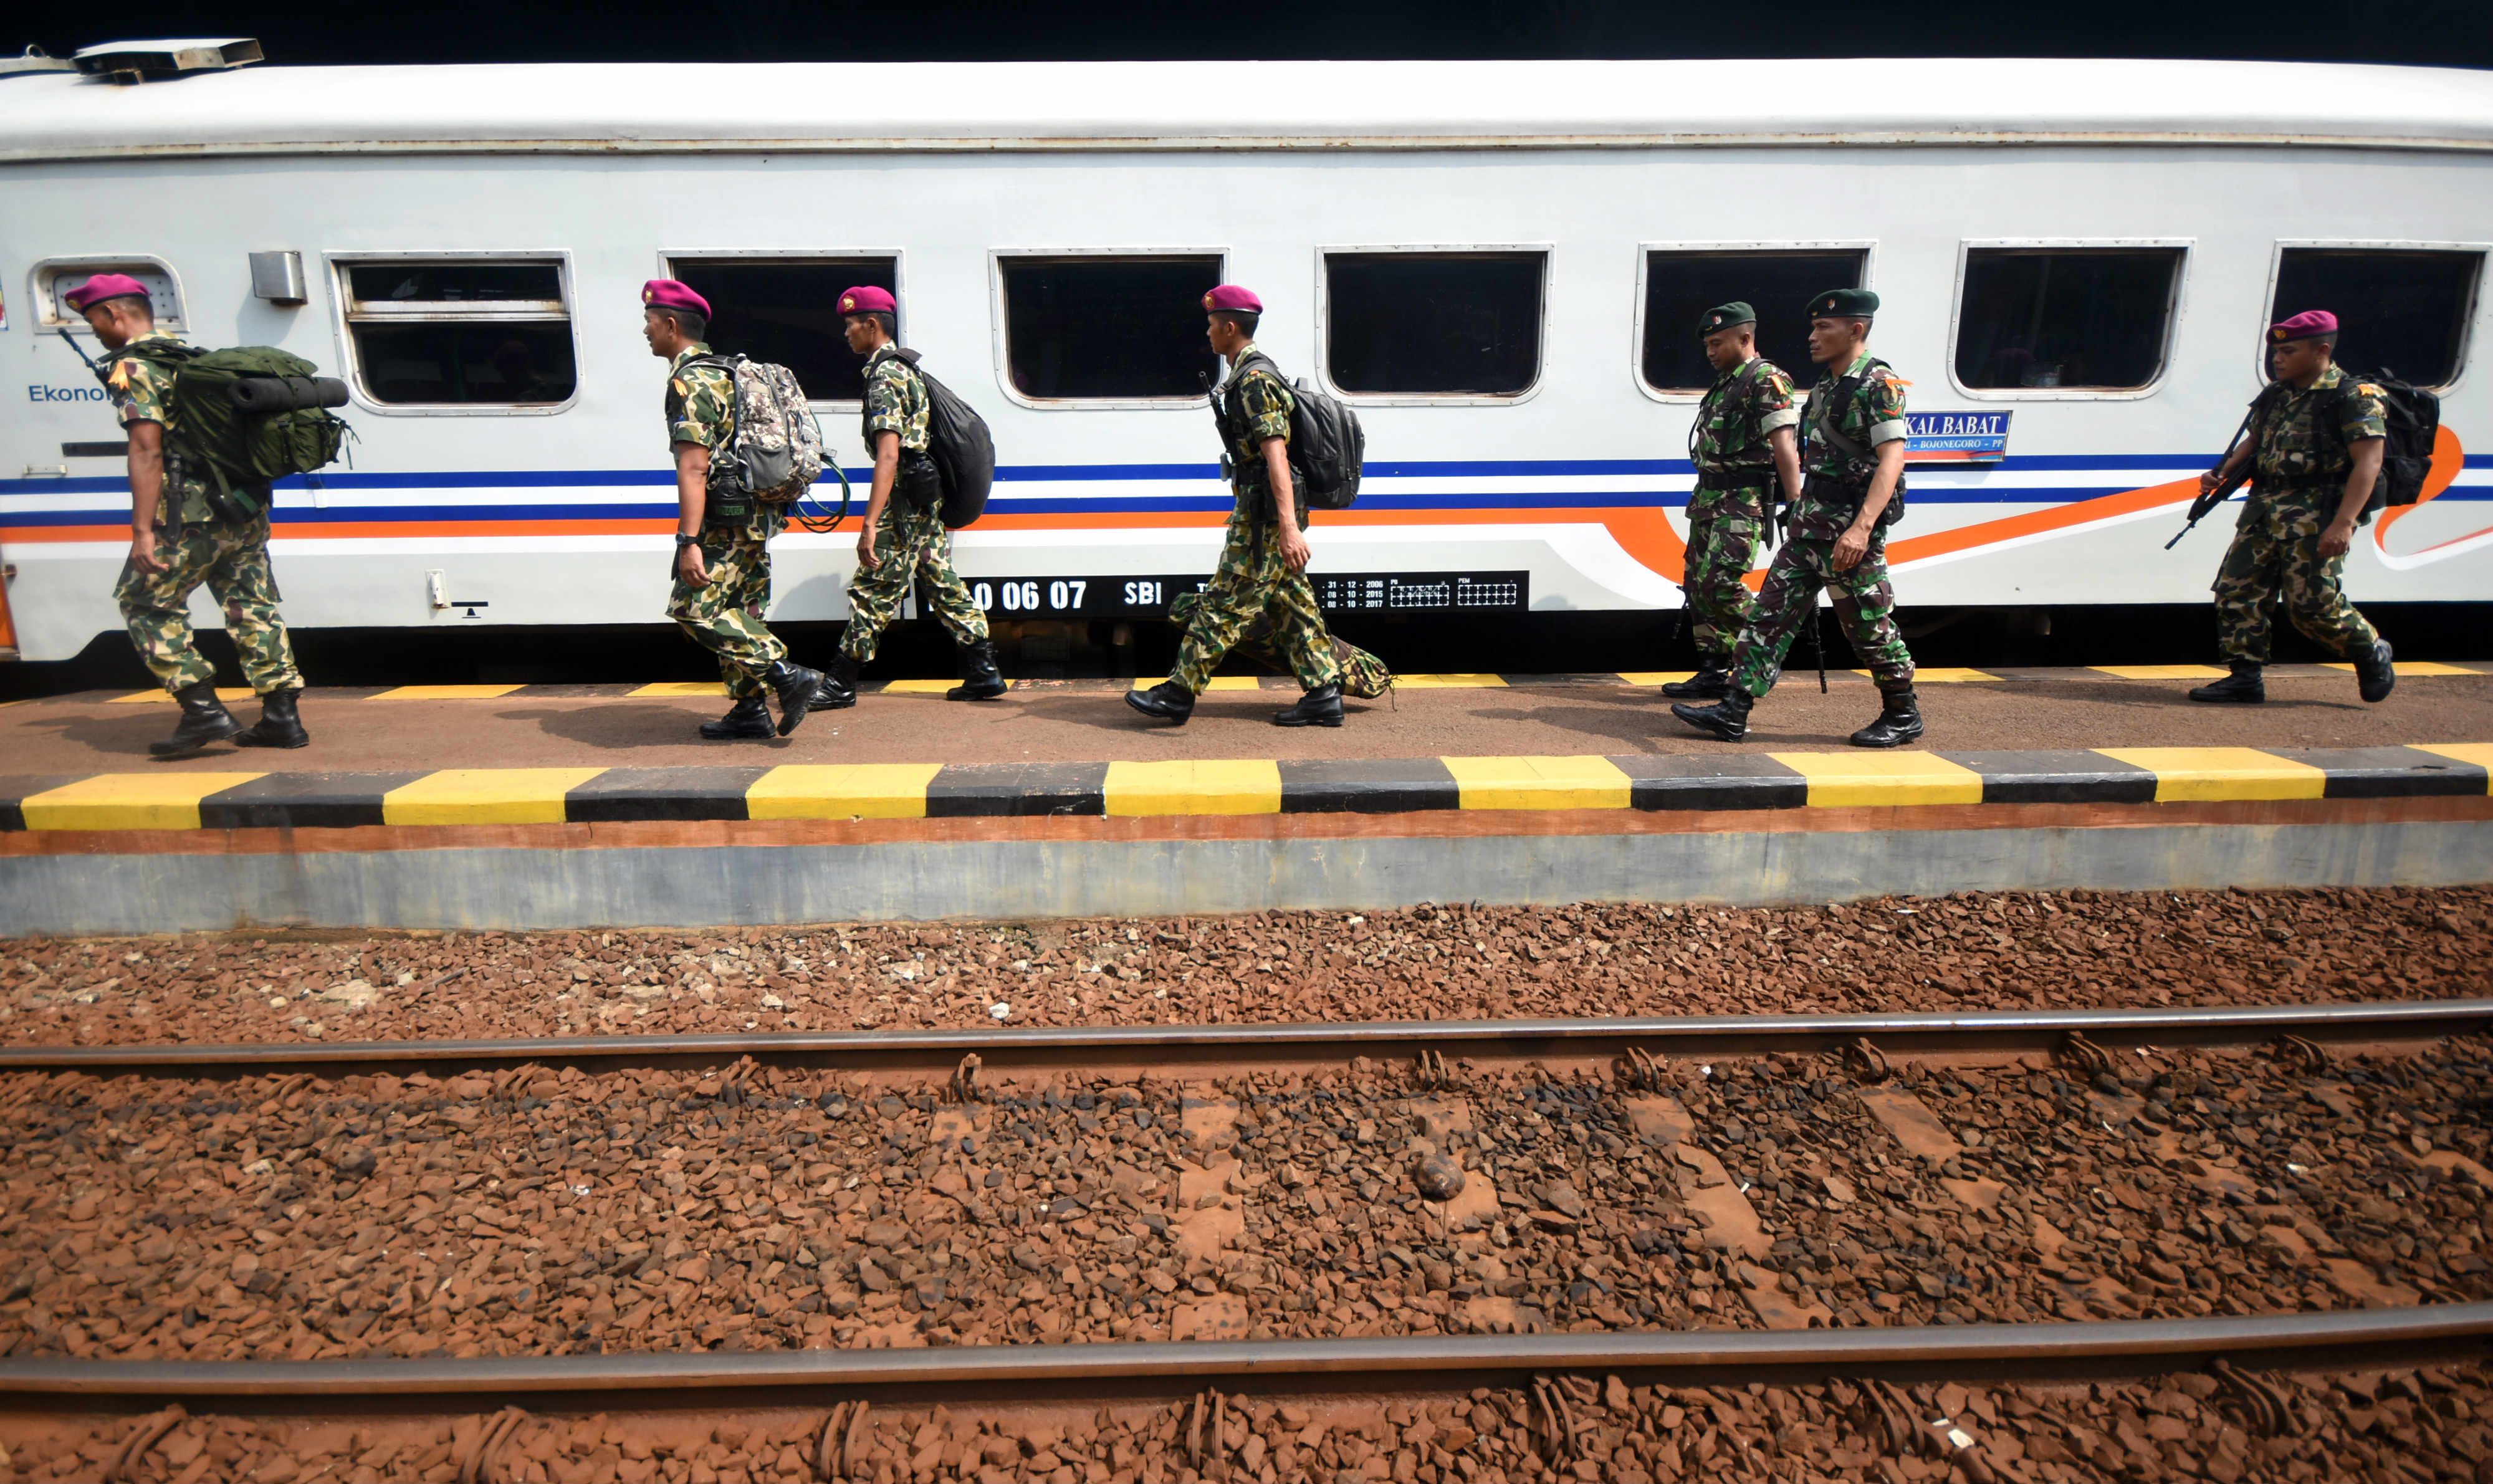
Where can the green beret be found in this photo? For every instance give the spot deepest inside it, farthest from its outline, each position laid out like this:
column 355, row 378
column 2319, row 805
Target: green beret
column 1723, row 316
column 1844, row 304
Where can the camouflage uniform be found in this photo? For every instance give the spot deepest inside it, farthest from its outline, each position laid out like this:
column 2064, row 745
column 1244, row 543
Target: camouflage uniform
column 1735, row 490
column 1865, row 603
column 230, row 557
column 910, row 538
column 1253, row 581
column 724, row 615
column 2301, row 460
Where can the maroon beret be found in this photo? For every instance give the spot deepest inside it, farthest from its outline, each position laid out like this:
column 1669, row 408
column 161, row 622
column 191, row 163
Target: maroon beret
column 1230, row 296
column 105, row 285
column 2303, row 326
column 866, row 299
column 667, row 293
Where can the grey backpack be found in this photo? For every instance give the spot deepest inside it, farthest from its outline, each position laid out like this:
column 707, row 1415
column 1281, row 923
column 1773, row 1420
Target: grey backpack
column 776, row 454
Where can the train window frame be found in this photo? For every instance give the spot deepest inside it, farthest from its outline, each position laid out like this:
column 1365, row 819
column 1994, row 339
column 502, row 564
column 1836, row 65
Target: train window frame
column 2176, row 309
column 2483, row 251
column 49, row 315
column 667, row 257
column 343, row 317
column 1642, row 284
column 1322, row 350
column 1000, row 351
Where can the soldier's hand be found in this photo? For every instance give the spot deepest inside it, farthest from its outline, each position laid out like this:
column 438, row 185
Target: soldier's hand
column 2209, row 481
column 1850, row 547
column 142, row 552
column 1294, row 549
column 690, row 567
column 2334, row 541
column 865, row 549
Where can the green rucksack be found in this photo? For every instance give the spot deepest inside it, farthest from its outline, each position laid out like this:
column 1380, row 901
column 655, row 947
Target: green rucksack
column 244, row 418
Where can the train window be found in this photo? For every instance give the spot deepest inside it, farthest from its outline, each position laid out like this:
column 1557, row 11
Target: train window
column 1682, row 284
column 786, row 310
column 2403, row 311
column 55, row 277
column 460, row 332
column 1434, row 323
column 2080, row 317
column 1094, row 328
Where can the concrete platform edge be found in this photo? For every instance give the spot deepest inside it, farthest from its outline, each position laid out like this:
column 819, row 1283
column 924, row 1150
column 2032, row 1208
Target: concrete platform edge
column 744, row 884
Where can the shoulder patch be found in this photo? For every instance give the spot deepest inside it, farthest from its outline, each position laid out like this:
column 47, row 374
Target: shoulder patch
column 2366, row 390
column 119, row 380
column 676, row 384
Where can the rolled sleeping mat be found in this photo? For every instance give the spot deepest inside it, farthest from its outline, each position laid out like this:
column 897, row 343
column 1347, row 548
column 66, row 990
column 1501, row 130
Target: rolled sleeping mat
column 263, row 395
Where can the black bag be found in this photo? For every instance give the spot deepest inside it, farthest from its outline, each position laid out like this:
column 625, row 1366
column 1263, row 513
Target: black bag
column 1327, row 445
column 2412, row 415
column 1859, row 462
column 963, row 449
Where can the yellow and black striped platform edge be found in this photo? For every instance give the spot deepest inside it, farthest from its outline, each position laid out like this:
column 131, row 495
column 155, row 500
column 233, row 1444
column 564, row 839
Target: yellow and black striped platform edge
column 167, row 799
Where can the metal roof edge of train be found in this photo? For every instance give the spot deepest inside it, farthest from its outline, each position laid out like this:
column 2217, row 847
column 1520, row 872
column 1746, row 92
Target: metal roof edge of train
column 664, row 107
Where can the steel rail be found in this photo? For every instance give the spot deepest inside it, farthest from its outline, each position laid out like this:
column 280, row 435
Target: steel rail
column 2418, row 1334
column 1161, row 1045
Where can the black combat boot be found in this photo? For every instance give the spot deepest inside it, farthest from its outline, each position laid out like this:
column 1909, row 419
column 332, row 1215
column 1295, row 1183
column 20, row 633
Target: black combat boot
column 1899, row 721
column 278, row 724
column 748, row 719
column 2378, row 677
column 981, row 679
column 1727, row 719
column 2242, row 687
column 1168, row 700
column 1318, row 707
column 799, row 689
column 1712, row 681
column 204, row 721
column 839, row 685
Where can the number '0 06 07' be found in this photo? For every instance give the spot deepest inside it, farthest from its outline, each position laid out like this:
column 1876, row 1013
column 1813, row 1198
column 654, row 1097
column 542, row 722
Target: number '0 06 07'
column 1023, row 595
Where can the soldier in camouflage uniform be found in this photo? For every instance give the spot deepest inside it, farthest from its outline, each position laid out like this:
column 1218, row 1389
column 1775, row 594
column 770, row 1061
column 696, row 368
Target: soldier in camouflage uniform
column 1264, row 556
column 904, row 534
column 1744, row 452
column 1853, row 460
column 180, row 539
column 722, row 536
column 2317, row 440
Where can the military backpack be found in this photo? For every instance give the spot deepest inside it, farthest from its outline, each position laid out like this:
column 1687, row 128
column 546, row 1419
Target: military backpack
column 2411, row 414
column 1327, row 444
column 775, row 453
column 242, row 418
column 962, row 447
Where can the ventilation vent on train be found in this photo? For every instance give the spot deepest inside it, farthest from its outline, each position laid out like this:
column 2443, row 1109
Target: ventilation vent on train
column 148, row 61
column 36, row 60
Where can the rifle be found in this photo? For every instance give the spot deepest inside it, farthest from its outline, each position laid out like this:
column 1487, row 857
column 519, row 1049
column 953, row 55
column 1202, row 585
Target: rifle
column 2208, row 500
column 1817, row 643
column 63, row 332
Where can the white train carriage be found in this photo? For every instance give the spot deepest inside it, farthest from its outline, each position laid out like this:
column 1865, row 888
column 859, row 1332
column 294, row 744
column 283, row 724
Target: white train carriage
column 1498, row 264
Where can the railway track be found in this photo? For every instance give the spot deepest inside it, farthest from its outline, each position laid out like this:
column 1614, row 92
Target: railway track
column 1120, row 1048
column 1559, row 1391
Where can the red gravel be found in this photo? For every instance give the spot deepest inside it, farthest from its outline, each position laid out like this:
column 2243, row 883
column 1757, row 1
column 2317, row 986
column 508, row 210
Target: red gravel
column 2414, row 1424
column 539, row 1211
column 1991, row 950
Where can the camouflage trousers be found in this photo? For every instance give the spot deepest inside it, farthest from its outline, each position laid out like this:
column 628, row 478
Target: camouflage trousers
column 232, row 560
column 908, row 540
column 1724, row 529
column 724, row 615
column 1254, row 583
column 2275, row 558
column 1865, row 605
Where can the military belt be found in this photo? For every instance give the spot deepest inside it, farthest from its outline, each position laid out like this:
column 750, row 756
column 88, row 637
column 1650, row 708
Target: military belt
column 1735, row 483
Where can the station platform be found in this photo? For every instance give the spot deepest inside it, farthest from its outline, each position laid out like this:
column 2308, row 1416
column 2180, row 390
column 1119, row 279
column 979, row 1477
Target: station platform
column 536, row 806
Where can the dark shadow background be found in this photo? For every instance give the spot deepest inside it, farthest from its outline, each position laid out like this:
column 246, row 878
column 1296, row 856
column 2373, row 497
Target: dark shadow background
column 2424, row 32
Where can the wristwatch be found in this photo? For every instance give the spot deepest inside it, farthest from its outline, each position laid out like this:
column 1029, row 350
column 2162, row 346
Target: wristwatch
column 683, row 540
